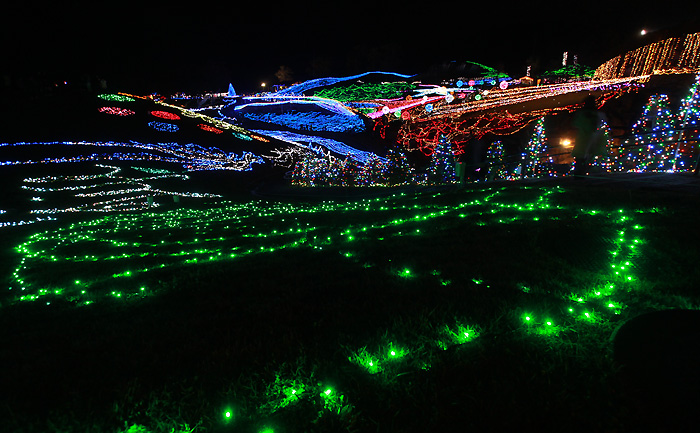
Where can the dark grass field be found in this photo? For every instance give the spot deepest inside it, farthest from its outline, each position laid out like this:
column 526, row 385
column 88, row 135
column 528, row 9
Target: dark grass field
column 433, row 288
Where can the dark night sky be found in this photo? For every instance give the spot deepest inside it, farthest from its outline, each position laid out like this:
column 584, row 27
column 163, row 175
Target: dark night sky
column 198, row 47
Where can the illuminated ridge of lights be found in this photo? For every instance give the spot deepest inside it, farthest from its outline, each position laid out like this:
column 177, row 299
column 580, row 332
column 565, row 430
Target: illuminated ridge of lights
column 518, row 95
column 670, row 56
column 268, row 101
column 299, row 89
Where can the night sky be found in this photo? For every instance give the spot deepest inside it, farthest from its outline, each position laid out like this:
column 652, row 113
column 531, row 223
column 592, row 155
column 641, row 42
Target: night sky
column 202, row 47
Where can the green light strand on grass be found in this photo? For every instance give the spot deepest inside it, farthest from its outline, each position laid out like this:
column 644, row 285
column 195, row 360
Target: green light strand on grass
column 130, row 247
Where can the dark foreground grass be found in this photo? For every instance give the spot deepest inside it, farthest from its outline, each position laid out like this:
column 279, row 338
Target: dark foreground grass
column 485, row 309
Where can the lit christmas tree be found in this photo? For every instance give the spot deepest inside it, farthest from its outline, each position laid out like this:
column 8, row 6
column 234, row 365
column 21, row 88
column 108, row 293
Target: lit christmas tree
column 441, row 169
column 688, row 127
column 312, row 169
column 397, row 170
column 610, row 161
column 652, row 146
column 536, row 163
column 371, row 173
column 349, row 172
column 495, row 158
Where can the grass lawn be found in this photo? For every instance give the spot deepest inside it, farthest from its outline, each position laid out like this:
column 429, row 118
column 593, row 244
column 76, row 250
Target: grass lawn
column 490, row 308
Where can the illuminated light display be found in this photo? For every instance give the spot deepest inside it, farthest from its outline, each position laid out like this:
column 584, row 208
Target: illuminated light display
column 441, row 169
column 424, row 135
column 607, row 162
column 305, row 141
column 398, row 170
column 655, row 144
column 225, row 233
column 316, row 168
column 535, row 161
column 164, row 127
column 242, row 136
column 237, row 130
column 116, row 111
column 122, row 193
column 220, row 233
column 366, row 91
column 311, row 121
column 208, row 128
column 403, row 105
column 472, row 119
column 115, row 97
column 119, row 258
column 495, row 158
column 673, row 55
column 518, row 95
column 299, row 89
column 190, row 156
column 457, row 335
column 688, row 122
column 165, row 115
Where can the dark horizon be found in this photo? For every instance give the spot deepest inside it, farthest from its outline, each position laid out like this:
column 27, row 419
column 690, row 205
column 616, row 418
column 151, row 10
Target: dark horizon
column 175, row 50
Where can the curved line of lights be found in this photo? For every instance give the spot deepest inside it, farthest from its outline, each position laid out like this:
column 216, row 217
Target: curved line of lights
column 191, row 156
column 300, row 88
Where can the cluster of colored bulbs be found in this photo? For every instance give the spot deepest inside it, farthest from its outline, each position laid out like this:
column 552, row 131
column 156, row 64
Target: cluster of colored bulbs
column 318, row 169
column 116, row 111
